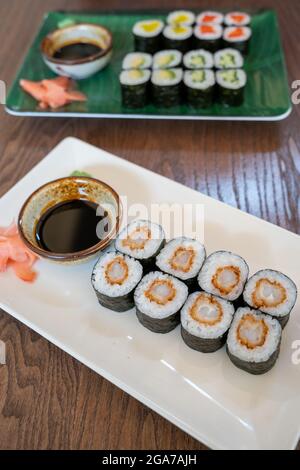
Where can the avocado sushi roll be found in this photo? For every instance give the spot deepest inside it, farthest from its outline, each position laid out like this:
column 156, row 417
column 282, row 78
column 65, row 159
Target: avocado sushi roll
column 134, row 86
column 166, row 87
column 224, row 274
column 205, row 321
column 167, row 59
column 198, row 59
column 237, row 18
column 271, row 292
column 231, row 84
column 158, row 300
column 147, row 35
column 253, row 341
column 237, row 37
column 114, row 278
column 137, row 60
column 199, row 87
column 181, row 17
column 211, row 17
column 208, row 36
column 177, row 37
column 228, row 58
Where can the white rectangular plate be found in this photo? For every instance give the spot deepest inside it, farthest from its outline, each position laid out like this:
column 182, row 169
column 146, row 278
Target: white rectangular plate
column 203, row 394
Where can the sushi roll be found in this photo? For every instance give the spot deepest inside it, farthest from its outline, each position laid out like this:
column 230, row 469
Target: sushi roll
column 231, row 85
column 237, row 18
column 167, row 59
column 228, row 58
column 237, row 37
column 253, row 341
column 177, row 37
column 198, row 59
column 147, row 35
column 271, row 292
column 213, row 17
column 205, row 320
column 181, row 17
column 137, row 60
column 182, row 257
column 199, row 87
column 224, row 274
column 208, row 36
column 114, row 279
column 158, row 300
column 142, row 240
column 166, row 87
column 134, row 87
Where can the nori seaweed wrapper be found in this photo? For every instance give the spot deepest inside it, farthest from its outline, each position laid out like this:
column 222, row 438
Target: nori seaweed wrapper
column 182, row 45
column 199, row 98
column 149, row 264
column 205, row 345
column 166, row 96
column 118, row 304
column 242, row 46
column 211, row 45
column 134, row 96
column 230, row 97
column 255, row 368
column 149, row 45
column 158, row 325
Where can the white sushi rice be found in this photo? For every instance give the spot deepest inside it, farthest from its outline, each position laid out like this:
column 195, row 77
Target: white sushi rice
column 229, row 19
column 148, row 28
column 231, row 78
column 137, row 60
column 167, row 77
column 101, row 283
column 267, row 291
column 182, row 17
column 151, row 245
column 216, row 17
column 221, row 259
column 199, row 79
column 216, row 32
column 198, row 59
column 164, row 258
column 208, row 311
column 154, row 309
column 179, row 32
column 230, row 29
column 134, row 77
column 167, row 59
column 259, row 353
column 228, row 58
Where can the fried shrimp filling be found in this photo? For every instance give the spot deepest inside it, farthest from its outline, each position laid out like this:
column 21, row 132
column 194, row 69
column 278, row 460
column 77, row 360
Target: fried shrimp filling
column 206, row 310
column 182, row 259
column 137, row 239
column 116, row 271
column 252, row 332
column 161, row 291
column 268, row 293
column 226, row 278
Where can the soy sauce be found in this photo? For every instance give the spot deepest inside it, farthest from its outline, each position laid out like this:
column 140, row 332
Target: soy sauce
column 78, row 50
column 71, row 226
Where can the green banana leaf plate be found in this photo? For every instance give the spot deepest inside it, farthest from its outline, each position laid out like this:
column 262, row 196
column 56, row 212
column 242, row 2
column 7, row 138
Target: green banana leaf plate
column 267, row 95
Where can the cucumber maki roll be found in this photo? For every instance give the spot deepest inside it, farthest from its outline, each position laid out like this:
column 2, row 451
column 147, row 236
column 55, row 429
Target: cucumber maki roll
column 114, row 278
column 237, row 37
column 271, row 292
column 137, row 60
column 198, row 59
column 228, row 58
column 134, row 86
column 231, row 85
column 213, row 17
column 158, row 300
column 237, row 18
column 177, row 37
column 208, row 36
column 253, row 341
column 166, row 87
column 224, row 274
column 167, row 59
column 199, row 87
column 147, row 35
column 181, row 17
column 205, row 321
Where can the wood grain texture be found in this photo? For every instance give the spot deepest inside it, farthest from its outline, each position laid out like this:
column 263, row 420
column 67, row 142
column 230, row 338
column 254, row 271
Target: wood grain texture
column 48, row 400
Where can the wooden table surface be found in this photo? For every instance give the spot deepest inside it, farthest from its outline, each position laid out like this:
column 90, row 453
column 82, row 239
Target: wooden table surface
column 48, row 400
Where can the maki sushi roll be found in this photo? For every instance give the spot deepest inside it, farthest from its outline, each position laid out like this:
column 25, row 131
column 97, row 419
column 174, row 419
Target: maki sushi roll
column 237, row 18
column 181, row 17
column 198, row 59
column 205, row 320
column 177, row 37
column 158, row 300
column 231, row 86
column 224, row 274
column 228, row 58
column 137, row 60
column 271, row 292
column 253, row 341
column 167, row 59
column 208, row 36
column 212, row 17
column 237, row 37
column 147, row 35
column 199, row 87
column 166, row 87
column 114, row 279
column 142, row 240
column 182, row 257
column 134, row 87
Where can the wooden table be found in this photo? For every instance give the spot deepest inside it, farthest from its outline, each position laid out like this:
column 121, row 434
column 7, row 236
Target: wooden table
column 47, row 398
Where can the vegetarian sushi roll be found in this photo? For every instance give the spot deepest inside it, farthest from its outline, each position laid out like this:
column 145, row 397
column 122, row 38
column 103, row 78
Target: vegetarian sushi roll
column 224, row 274
column 166, row 87
column 208, row 36
column 114, row 278
column 271, row 292
column 205, row 321
column 181, row 17
column 253, row 341
column 137, row 60
column 182, row 257
column 158, row 300
column 134, row 85
column 177, row 37
column 237, row 18
column 147, row 35
column 213, row 17
column 142, row 240
column 199, row 87
column 231, row 86
column 228, row 58
column 167, row 59
column 198, row 59
column 237, row 37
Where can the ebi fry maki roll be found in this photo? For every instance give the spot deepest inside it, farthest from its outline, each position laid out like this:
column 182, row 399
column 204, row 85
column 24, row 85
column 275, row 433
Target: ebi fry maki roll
column 167, row 59
column 208, row 36
column 198, row 59
column 177, row 36
column 134, row 87
column 178, row 17
column 237, row 37
column 199, row 87
column 205, row 320
column 228, row 58
column 147, row 35
column 253, row 341
column 231, row 85
column 114, row 278
column 271, row 292
column 166, row 87
column 158, row 300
